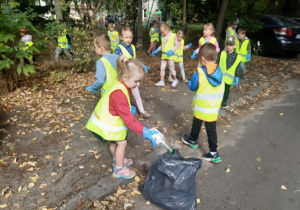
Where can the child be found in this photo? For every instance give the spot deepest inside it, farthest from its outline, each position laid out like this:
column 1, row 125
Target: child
column 154, row 37
column 208, row 37
column 168, row 46
column 62, row 45
column 113, row 36
column 26, row 39
column 105, row 67
column 231, row 29
column 209, row 88
column 179, row 55
column 243, row 49
column 113, row 116
column 229, row 62
column 128, row 49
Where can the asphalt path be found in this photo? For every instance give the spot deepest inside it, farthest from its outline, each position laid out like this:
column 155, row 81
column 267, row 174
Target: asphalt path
column 261, row 164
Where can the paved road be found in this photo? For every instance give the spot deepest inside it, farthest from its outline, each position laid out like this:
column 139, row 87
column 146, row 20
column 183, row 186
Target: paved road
column 262, row 150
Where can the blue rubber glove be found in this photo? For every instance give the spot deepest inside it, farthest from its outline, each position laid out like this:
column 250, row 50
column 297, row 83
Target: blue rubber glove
column 248, row 57
column 189, row 45
column 92, row 89
column 160, row 37
column 147, row 134
column 236, row 81
column 69, row 47
column 133, row 110
column 156, row 30
column 146, row 68
column 156, row 51
column 194, row 55
column 169, row 53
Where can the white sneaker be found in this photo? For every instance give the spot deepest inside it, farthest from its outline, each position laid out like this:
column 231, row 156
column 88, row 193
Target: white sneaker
column 175, row 83
column 161, row 83
column 185, row 80
column 170, row 79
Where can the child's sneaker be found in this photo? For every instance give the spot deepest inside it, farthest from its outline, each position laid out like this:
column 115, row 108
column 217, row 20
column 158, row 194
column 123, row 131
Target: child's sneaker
column 126, row 162
column 243, row 76
column 185, row 80
column 170, row 79
column 161, row 83
column 187, row 140
column 124, row 173
column 175, row 83
column 145, row 114
column 224, row 105
column 212, row 158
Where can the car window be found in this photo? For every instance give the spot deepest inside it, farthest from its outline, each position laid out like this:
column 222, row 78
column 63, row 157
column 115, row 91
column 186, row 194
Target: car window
column 284, row 21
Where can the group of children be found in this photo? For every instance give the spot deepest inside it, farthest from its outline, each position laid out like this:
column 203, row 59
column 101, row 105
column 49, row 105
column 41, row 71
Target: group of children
column 118, row 74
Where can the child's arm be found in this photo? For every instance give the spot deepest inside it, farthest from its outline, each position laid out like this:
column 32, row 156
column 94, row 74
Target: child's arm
column 175, row 44
column 194, row 81
column 217, row 46
column 100, row 75
column 199, row 46
column 118, row 51
column 120, row 105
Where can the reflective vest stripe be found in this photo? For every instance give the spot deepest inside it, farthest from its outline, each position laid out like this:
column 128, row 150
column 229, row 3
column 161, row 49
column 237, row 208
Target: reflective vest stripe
column 209, row 97
column 225, row 74
column 207, row 110
column 106, row 127
column 113, row 36
column 126, row 53
column 63, row 42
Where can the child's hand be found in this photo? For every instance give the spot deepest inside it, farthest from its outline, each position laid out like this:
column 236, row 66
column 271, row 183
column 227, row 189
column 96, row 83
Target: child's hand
column 169, row 53
column 248, row 57
column 189, row 45
column 157, row 30
column 156, row 51
column 194, row 55
column 92, row 89
column 146, row 68
column 236, row 81
column 147, row 134
column 133, row 110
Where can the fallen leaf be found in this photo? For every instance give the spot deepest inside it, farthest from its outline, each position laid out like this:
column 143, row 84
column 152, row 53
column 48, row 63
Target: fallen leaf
column 23, row 164
column 76, row 118
column 198, row 200
column 2, row 206
column 97, row 203
column 67, row 147
column 81, row 167
column 30, row 169
column 281, row 114
column 120, row 191
column 104, row 203
column 283, row 187
column 97, row 156
column 103, row 165
column 227, row 170
column 60, row 158
column 48, row 156
column 147, row 202
column 259, row 168
column 20, row 189
column 53, row 174
column 31, row 185
column 137, row 179
column 43, row 185
column 258, row 159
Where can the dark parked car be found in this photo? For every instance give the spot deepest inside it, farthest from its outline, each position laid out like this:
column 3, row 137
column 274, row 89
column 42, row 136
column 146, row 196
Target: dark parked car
column 278, row 35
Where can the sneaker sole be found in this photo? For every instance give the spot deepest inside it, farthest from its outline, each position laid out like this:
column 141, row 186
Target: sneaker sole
column 191, row 146
column 213, row 160
column 122, row 177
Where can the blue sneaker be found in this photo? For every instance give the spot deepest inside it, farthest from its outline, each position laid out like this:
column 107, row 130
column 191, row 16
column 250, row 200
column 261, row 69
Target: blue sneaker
column 187, row 140
column 212, row 158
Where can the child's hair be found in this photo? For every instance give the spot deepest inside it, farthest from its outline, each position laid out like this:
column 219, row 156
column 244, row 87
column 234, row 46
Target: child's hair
column 179, row 32
column 103, row 41
column 211, row 27
column 125, row 28
column 241, row 31
column 128, row 66
column 154, row 22
column 165, row 25
column 112, row 25
column 233, row 22
column 208, row 51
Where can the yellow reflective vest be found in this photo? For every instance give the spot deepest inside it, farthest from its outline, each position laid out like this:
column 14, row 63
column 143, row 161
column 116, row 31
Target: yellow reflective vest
column 208, row 99
column 202, row 41
column 179, row 52
column 111, row 74
column 126, row 53
column 30, row 52
column 113, row 36
column 101, row 122
column 63, row 41
column 242, row 50
column 232, row 32
column 153, row 37
column 228, row 74
column 169, row 46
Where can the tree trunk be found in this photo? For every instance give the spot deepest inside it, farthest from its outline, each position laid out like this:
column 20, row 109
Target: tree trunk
column 184, row 16
column 131, row 12
column 139, row 43
column 221, row 18
column 58, row 11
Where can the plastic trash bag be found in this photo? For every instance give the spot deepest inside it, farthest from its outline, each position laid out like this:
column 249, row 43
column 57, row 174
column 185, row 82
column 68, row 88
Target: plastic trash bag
column 170, row 183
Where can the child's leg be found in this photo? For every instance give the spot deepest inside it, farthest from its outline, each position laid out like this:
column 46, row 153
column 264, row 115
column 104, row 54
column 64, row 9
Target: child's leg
column 212, row 135
column 57, row 52
column 226, row 94
column 154, row 46
column 242, row 65
column 68, row 54
column 163, row 69
column 118, row 152
column 171, row 65
column 136, row 94
column 180, row 64
column 151, row 47
column 196, row 128
column 30, row 61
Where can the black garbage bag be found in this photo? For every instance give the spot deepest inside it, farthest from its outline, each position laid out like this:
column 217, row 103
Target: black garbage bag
column 170, row 183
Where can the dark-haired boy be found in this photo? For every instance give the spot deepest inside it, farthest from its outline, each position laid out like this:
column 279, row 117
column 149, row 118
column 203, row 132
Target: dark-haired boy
column 243, row 48
column 209, row 89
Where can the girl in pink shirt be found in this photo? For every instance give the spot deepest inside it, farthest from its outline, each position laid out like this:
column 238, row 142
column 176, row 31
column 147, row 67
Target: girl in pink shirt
column 208, row 37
